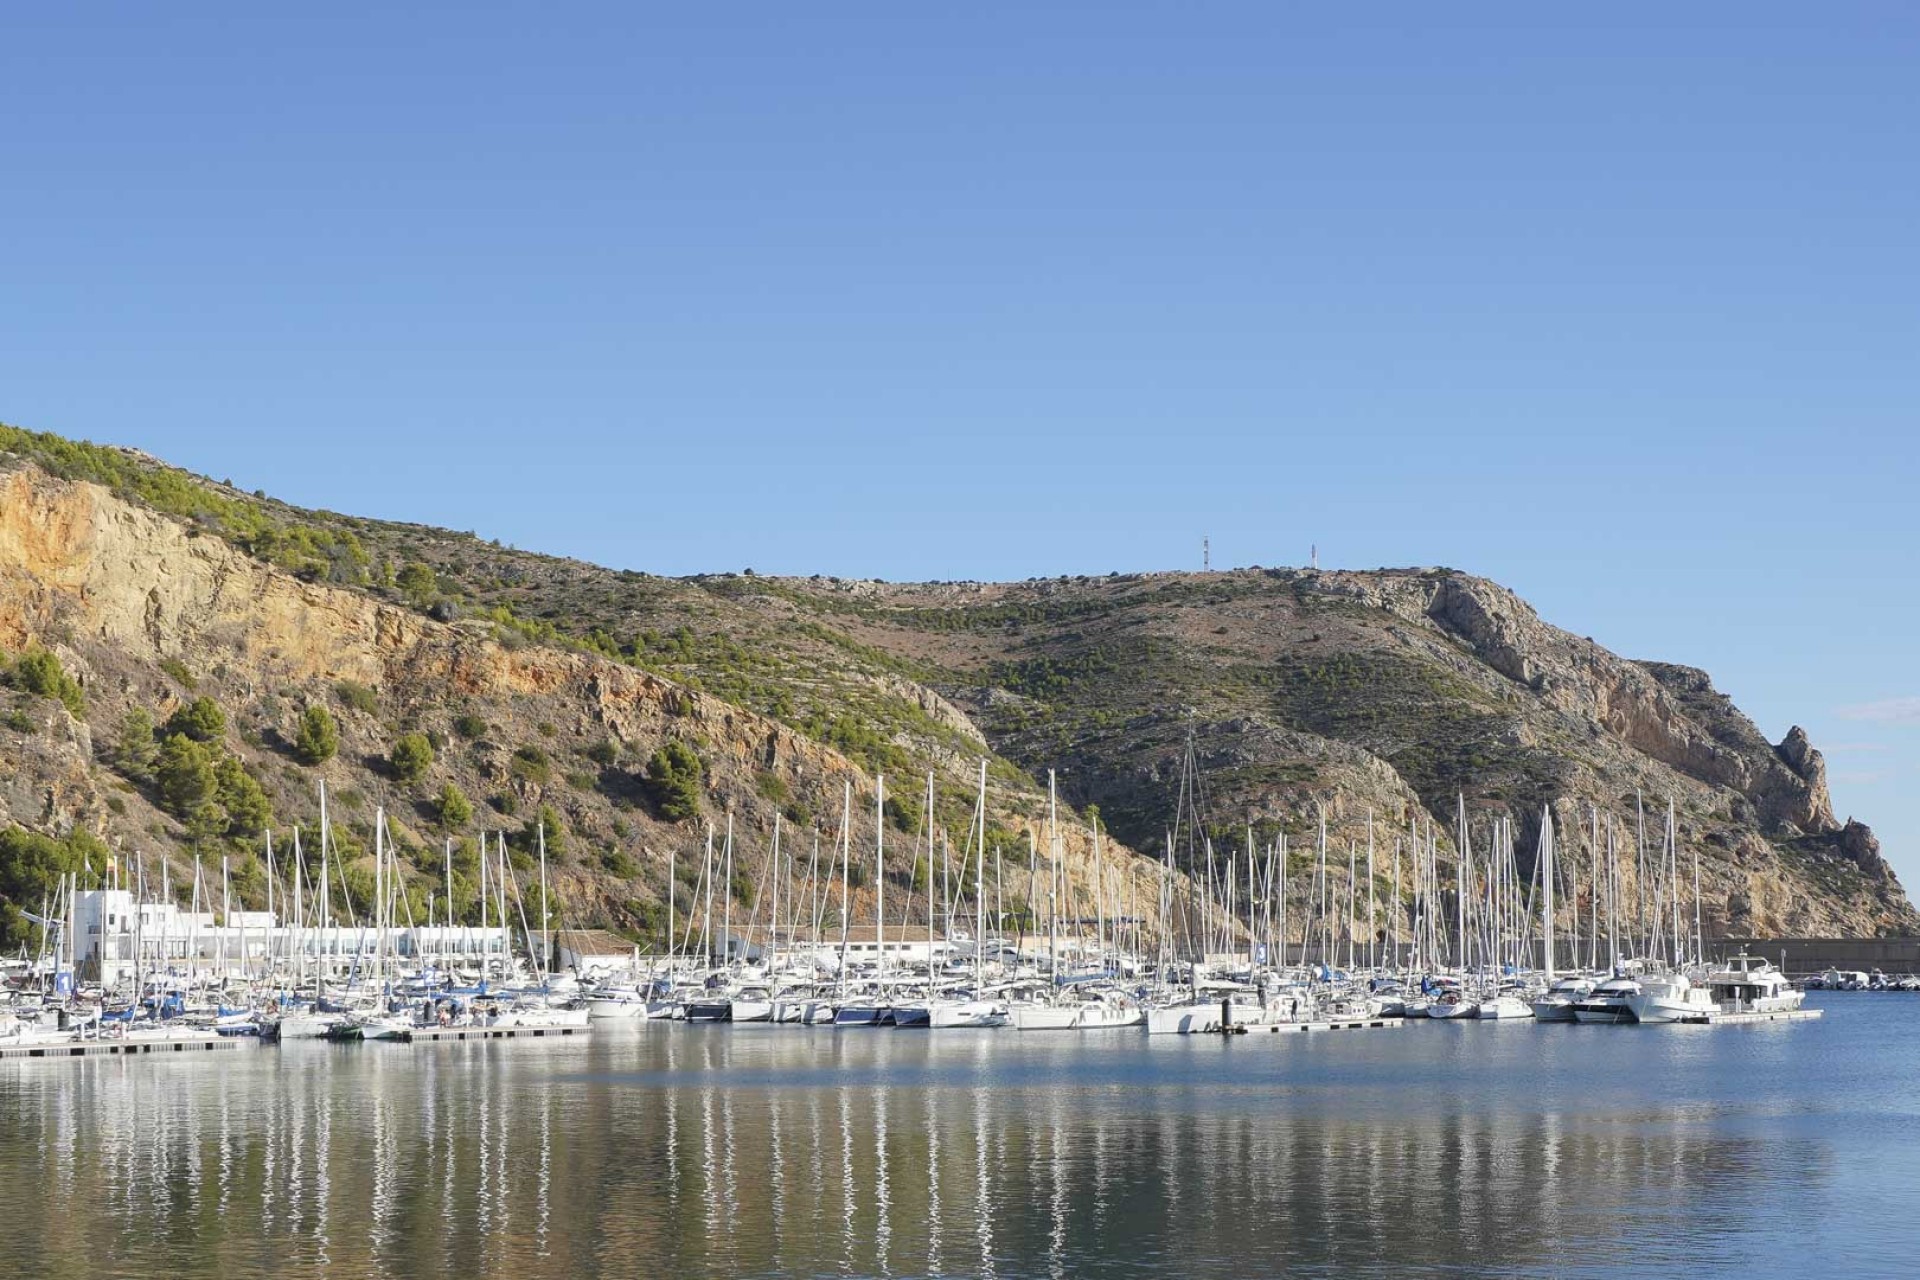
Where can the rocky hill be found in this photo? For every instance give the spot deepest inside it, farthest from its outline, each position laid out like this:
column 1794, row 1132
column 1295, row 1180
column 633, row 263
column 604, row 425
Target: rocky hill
column 470, row 686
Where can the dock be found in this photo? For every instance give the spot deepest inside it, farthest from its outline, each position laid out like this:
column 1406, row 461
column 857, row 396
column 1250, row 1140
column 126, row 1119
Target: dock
column 121, row 1048
column 1301, row 1028
column 437, row 1034
column 1778, row 1015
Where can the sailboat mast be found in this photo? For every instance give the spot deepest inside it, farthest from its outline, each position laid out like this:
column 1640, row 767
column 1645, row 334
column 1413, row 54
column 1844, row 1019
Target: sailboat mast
column 846, row 874
column 726, row 903
column 1546, row 880
column 1462, row 869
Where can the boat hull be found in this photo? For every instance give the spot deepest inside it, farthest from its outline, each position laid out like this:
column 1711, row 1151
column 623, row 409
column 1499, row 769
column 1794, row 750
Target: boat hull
column 862, row 1015
column 616, row 1009
column 1504, row 1008
column 1464, row 1011
column 967, row 1013
column 1691, row 1006
column 1602, row 1013
column 750, row 1011
column 1556, row 1010
column 1101, row 1017
column 1043, row 1017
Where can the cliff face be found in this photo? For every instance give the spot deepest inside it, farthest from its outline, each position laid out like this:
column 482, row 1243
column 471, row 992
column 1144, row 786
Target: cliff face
column 1390, row 692
column 146, row 614
column 549, row 683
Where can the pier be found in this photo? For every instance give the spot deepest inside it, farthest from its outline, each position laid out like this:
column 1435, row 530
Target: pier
column 121, row 1048
column 1777, row 1015
column 436, row 1034
column 1300, row 1028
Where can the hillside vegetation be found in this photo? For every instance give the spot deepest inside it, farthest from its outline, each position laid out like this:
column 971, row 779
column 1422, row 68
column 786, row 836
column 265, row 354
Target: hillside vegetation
column 187, row 661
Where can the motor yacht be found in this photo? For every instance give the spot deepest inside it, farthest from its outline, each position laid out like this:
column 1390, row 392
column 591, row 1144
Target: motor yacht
column 1748, row 984
column 1608, row 1001
column 1556, row 1005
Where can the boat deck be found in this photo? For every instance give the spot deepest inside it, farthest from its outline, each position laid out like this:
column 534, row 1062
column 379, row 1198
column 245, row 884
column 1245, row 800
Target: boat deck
column 121, row 1048
column 436, row 1034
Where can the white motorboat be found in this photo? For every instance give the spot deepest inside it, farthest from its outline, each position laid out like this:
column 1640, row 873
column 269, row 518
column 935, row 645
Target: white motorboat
column 1502, row 1007
column 308, row 1025
column 1749, row 984
column 1557, row 1004
column 1669, row 997
column 1608, row 1001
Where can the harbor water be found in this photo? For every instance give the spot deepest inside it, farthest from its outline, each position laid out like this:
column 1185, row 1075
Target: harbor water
column 677, row 1150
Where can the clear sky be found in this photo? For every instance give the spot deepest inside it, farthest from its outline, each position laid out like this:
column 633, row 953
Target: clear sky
column 1618, row 307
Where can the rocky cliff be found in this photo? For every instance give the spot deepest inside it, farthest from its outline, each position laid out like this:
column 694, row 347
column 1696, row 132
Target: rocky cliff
column 546, row 686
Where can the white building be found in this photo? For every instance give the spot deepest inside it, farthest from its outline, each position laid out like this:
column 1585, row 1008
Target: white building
column 110, row 929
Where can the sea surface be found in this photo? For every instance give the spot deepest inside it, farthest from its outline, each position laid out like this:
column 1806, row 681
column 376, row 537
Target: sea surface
column 667, row 1151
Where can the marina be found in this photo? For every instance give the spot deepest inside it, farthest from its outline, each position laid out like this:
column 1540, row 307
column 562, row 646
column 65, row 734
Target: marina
column 718, row 1152
column 1231, row 948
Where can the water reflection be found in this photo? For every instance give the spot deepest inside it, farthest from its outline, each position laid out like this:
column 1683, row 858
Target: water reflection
column 708, row 1151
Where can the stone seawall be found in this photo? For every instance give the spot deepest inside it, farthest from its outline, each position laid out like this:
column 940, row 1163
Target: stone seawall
column 1801, row 957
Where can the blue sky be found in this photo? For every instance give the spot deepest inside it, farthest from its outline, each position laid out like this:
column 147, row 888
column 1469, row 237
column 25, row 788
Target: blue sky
column 1618, row 308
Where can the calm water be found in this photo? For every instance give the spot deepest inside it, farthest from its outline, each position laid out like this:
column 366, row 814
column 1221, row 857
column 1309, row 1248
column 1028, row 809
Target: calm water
column 690, row 1151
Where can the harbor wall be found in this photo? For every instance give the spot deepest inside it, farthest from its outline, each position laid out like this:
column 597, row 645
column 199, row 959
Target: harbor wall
column 1801, row 957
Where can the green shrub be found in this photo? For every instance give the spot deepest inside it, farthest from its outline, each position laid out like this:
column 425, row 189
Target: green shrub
column 605, row 753
column 137, row 750
column 418, row 584
column 452, row 807
column 39, row 672
column 907, row 812
column 356, row 697
column 674, row 775
column 317, row 737
column 411, row 757
column 209, row 790
column 772, row 788
column 246, row 805
column 185, row 775
column 202, row 720
column 580, row 780
column 178, row 671
column 619, row 863
column 531, row 763
column 31, row 868
column 546, row 818
column 469, row 726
